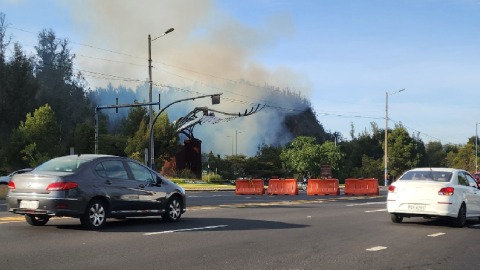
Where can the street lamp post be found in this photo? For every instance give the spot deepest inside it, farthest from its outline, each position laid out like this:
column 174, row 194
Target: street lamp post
column 232, row 142
column 150, row 110
column 476, row 142
column 236, row 142
column 386, row 133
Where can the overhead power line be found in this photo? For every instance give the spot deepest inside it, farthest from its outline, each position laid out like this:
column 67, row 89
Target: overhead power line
column 162, row 63
column 99, row 75
column 421, row 133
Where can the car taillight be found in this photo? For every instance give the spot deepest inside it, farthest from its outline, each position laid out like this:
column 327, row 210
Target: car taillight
column 448, row 191
column 11, row 185
column 61, row 186
column 391, row 189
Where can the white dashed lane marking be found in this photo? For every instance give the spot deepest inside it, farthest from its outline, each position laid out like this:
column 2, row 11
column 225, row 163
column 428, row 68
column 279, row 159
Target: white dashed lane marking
column 368, row 203
column 436, row 234
column 376, row 248
column 379, row 210
column 184, row 230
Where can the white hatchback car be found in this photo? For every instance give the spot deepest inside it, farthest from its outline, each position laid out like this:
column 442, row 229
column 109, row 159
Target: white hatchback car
column 434, row 192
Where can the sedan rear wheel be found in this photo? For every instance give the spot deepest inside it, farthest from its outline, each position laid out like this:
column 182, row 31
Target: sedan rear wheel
column 396, row 218
column 37, row 220
column 95, row 215
column 460, row 220
column 174, row 210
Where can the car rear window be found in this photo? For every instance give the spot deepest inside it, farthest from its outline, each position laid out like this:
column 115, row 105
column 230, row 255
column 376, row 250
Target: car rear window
column 427, row 175
column 62, row 165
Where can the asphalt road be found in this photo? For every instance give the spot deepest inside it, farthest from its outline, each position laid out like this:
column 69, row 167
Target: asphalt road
column 224, row 231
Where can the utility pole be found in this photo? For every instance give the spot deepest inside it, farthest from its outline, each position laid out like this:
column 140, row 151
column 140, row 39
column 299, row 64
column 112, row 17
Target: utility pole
column 386, row 138
column 476, row 142
column 386, row 134
column 150, row 110
column 236, row 144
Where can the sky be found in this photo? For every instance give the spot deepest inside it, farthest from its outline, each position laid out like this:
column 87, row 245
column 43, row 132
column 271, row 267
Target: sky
column 345, row 56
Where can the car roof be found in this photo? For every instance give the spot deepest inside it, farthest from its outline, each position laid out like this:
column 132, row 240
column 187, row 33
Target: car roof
column 436, row 169
column 87, row 156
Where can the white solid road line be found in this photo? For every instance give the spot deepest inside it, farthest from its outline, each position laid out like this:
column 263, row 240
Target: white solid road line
column 366, row 203
column 436, row 234
column 379, row 210
column 376, row 248
column 184, row 230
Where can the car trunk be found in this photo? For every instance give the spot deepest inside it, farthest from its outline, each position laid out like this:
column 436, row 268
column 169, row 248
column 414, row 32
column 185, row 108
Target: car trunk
column 418, row 191
column 33, row 183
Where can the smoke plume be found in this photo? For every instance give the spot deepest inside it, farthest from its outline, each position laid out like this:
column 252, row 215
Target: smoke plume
column 209, row 52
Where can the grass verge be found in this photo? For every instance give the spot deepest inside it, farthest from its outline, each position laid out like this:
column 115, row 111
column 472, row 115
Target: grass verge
column 188, row 186
column 3, row 192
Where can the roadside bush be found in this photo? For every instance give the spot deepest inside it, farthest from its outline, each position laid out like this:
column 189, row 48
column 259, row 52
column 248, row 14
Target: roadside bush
column 183, row 174
column 212, row 177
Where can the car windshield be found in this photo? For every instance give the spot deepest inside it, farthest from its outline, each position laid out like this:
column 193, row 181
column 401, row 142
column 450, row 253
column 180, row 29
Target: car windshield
column 427, row 175
column 476, row 175
column 62, row 165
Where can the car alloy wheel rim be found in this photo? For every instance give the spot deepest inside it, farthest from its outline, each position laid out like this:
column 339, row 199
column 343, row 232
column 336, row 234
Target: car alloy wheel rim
column 174, row 209
column 97, row 215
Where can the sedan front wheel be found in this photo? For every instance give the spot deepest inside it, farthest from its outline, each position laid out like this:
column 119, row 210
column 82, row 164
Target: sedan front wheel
column 174, row 210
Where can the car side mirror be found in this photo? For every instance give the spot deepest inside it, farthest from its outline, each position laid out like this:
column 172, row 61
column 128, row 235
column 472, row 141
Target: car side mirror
column 159, row 181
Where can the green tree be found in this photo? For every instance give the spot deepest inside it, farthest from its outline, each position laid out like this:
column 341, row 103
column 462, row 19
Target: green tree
column 165, row 137
column 17, row 91
column 33, row 156
column 238, row 165
column 84, row 139
column 304, row 155
column 18, row 141
column 43, row 130
column 132, row 122
column 59, row 86
column 435, row 154
column 371, row 168
column 266, row 163
column 402, row 152
column 465, row 158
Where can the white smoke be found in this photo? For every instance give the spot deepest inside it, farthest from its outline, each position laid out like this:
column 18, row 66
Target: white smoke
column 205, row 41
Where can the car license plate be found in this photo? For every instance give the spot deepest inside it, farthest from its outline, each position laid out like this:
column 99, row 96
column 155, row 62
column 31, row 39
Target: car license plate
column 29, row 204
column 416, row 207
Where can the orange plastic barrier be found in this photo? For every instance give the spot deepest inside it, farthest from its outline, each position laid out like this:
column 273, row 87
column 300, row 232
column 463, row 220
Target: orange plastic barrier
column 282, row 187
column 249, row 187
column 361, row 187
column 323, row 187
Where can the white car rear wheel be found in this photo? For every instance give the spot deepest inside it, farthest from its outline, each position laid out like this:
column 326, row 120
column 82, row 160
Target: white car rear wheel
column 396, row 218
column 460, row 220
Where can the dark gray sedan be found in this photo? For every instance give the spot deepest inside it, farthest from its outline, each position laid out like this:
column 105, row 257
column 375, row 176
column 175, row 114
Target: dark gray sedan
column 93, row 188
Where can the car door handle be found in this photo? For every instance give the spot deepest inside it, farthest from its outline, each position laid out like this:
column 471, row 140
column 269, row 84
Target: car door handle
column 141, row 186
column 108, row 182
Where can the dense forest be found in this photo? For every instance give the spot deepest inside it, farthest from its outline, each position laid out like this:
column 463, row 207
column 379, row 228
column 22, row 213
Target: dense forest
column 46, row 108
